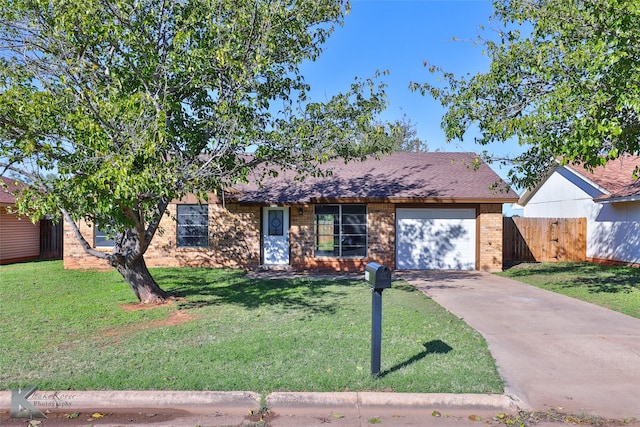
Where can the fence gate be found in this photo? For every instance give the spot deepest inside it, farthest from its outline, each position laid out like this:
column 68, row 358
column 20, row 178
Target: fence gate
column 544, row 239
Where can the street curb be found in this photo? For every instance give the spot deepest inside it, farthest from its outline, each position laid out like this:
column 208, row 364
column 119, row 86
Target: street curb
column 77, row 400
column 242, row 401
column 496, row 402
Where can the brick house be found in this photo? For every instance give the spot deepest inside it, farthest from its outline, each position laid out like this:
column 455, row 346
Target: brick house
column 405, row 210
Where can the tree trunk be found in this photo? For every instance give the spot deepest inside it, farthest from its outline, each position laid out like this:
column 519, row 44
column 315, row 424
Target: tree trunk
column 141, row 282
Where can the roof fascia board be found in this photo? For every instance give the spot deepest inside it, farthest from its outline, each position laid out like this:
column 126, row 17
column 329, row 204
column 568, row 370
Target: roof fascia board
column 528, row 194
column 618, row 199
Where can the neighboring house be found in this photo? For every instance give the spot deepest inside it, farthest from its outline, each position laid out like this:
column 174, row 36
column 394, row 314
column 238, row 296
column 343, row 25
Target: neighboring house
column 19, row 237
column 609, row 197
column 406, row 210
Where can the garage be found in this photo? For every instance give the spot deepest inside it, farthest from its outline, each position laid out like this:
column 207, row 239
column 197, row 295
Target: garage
column 435, row 239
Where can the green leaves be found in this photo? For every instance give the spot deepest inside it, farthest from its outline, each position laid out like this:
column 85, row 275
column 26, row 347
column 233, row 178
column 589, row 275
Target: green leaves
column 130, row 104
column 564, row 81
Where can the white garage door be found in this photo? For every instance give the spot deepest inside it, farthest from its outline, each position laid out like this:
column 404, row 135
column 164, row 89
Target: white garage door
column 435, row 239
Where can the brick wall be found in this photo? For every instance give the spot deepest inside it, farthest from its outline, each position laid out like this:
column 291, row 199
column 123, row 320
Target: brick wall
column 381, row 240
column 301, row 236
column 489, row 225
column 234, row 240
column 74, row 257
column 382, row 233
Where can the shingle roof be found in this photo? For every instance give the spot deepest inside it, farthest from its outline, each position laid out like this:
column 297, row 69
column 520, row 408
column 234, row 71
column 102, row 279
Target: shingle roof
column 616, row 177
column 437, row 176
column 6, row 196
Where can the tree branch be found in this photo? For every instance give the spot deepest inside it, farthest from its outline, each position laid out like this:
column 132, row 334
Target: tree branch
column 83, row 242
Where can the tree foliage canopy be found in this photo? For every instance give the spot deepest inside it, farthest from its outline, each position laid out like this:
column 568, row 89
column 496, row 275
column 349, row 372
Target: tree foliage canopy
column 404, row 136
column 112, row 108
column 564, row 81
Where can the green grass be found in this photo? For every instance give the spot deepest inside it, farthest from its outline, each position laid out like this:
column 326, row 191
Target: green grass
column 616, row 288
column 68, row 330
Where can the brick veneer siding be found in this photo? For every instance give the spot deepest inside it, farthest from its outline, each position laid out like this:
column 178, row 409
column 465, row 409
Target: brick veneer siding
column 74, row 257
column 235, row 240
column 489, row 231
column 382, row 233
column 381, row 240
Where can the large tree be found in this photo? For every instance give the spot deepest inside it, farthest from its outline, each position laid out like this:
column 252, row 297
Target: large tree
column 110, row 109
column 404, row 136
column 564, row 81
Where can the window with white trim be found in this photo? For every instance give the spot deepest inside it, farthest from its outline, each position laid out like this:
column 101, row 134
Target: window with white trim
column 340, row 231
column 192, row 226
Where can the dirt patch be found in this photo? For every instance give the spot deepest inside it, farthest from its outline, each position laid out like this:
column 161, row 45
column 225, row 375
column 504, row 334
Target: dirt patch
column 139, row 306
column 176, row 317
column 261, row 417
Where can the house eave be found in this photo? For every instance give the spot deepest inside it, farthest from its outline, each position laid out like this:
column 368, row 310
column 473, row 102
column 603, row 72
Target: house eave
column 394, row 200
column 635, row 198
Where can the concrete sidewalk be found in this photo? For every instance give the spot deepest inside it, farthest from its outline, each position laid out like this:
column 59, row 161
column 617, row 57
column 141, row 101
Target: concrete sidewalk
column 552, row 351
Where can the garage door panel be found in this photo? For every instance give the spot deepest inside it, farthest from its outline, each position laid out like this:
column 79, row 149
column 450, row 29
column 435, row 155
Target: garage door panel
column 435, row 239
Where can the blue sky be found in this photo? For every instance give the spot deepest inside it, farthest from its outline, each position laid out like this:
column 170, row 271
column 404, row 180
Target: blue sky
column 399, row 36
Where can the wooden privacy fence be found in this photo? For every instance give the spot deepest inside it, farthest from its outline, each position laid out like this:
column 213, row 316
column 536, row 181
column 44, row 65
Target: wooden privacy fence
column 50, row 239
column 544, row 239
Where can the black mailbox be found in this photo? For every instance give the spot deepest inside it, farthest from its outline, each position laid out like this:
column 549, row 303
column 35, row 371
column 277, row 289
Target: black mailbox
column 378, row 276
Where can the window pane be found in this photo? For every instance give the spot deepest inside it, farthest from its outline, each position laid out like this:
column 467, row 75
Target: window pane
column 341, row 230
column 354, row 246
column 354, row 209
column 101, row 239
column 327, row 246
column 327, row 209
column 193, row 226
column 275, row 219
column 354, row 219
column 354, row 229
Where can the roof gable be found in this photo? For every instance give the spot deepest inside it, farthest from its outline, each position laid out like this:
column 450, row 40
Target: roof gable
column 403, row 176
column 616, row 177
column 612, row 182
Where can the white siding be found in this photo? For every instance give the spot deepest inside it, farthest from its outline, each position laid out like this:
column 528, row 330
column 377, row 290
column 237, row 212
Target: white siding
column 19, row 237
column 613, row 229
column 613, row 232
column 561, row 196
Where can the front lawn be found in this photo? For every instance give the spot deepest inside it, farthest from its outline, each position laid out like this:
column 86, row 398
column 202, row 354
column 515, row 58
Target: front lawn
column 80, row 330
column 616, row 288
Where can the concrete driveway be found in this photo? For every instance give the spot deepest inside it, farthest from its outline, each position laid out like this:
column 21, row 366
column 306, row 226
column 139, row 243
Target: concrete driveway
column 552, row 351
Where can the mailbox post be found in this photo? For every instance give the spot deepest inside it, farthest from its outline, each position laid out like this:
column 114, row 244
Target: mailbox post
column 379, row 278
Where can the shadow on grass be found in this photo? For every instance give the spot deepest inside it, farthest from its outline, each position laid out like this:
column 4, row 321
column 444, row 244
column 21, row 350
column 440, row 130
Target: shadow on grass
column 431, row 347
column 529, row 269
column 201, row 288
column 596, row 278
column 606, row 285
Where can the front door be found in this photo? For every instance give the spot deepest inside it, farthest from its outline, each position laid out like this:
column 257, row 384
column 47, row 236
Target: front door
column 275, row 236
